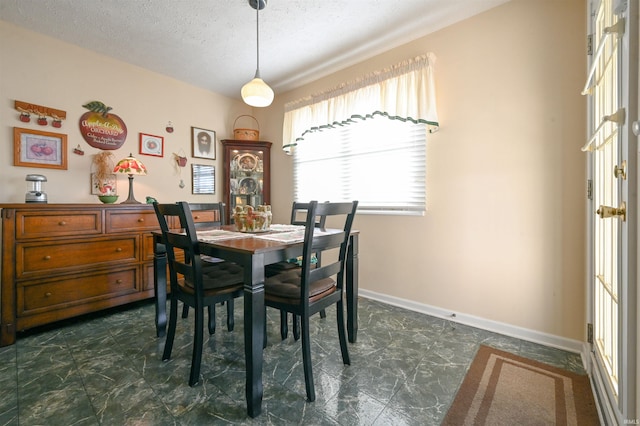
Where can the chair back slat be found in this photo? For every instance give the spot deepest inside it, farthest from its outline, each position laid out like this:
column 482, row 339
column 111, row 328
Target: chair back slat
column 215, row 210
column 316, row 241
column 185, row 241
column 299, row 215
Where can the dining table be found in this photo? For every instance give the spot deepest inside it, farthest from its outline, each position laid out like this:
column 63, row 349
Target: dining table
column 253, row 251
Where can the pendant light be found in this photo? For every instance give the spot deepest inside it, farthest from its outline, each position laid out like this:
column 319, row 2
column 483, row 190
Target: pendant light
column 257, row 93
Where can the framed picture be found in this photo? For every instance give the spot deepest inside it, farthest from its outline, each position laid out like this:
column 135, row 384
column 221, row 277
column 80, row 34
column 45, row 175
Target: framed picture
column 151, row 145
column 203, row 143
column 204, row 179
column 108, row 186
column 35, row 148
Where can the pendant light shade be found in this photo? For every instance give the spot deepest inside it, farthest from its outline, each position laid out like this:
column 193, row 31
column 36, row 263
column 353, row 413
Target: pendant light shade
column 257, row 93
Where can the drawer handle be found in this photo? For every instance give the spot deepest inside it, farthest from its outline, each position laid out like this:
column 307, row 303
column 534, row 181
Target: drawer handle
column 196, row 217
column 118, row 250
column 47, row 294
column 118, row 282
column 141, row 220
column 62, row 223
column 47, row 258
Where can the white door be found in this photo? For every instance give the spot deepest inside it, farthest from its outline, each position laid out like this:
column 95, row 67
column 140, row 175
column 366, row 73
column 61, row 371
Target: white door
column 613, row 103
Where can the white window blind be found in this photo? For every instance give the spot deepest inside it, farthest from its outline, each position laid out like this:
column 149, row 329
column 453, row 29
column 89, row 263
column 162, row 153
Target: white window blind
column 378, row 161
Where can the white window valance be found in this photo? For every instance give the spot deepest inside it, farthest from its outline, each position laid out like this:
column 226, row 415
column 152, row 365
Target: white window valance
column 405, row 91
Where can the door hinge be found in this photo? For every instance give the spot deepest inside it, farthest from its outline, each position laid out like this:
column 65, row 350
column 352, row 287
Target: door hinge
column 590, row 45
column 590, row 333
column 589, row 189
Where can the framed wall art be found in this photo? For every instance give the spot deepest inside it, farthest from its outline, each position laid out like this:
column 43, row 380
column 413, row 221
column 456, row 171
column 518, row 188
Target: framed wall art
column 151, row 145
column 107, row 186
column 35, row 148
column 203, row 143
column 204, row 179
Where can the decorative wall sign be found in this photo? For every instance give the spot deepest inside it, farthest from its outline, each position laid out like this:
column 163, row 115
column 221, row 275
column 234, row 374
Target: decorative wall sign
column 34, row 148
column 102, row 129
column 26, row 109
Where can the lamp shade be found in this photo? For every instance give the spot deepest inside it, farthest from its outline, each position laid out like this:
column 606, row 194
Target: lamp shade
column 257, row 93
column 131, row 166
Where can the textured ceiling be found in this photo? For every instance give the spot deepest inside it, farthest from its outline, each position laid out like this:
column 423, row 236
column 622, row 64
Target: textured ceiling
column 212, row 43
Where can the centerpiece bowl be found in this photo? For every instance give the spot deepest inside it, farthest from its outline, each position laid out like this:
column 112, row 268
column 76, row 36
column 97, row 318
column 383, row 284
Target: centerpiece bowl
column 108, row 199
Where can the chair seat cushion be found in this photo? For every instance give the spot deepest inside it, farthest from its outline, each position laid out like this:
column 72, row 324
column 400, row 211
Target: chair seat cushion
column 220, row 275
column 286, row 285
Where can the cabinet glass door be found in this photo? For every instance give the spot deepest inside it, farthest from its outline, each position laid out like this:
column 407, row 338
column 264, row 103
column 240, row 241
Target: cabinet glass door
column 246, row 178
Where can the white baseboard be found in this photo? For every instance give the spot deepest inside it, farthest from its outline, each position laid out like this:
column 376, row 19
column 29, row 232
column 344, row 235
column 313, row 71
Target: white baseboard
column 563, row 343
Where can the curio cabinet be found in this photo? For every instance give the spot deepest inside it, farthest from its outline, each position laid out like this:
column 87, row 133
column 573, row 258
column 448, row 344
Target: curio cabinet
column 247, row 173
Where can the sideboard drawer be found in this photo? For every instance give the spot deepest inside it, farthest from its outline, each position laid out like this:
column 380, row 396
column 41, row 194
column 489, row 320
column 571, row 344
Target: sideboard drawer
column 131, row 220
column 37, row 296
column 57, row 223
column 74, row 254
column 205, row 216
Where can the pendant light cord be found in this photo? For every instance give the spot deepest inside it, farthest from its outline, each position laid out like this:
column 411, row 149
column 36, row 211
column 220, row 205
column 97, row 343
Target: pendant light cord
column 257, row 39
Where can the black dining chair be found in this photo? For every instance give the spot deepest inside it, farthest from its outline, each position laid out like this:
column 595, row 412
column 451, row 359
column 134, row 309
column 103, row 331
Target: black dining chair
column 191, row 282
column 307, row 290
column 298, row 217
column 210, row 215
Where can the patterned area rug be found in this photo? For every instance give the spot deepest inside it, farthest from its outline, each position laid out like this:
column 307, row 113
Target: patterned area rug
column 501, row 388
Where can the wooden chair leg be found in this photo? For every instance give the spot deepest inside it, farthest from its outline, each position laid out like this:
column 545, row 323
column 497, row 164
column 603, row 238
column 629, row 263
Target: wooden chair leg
column 196, row 359
column 212, row 319
column 284, row 326
column 185, row 310
column 230, row 320
column 171, row 332
column 306, row 360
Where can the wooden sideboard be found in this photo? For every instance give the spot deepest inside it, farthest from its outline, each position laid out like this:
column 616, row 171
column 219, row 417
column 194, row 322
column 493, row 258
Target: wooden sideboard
column 64, row 260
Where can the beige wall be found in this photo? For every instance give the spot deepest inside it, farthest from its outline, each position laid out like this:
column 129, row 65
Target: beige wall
column 503, row 238
column 47, row 72
column 504, row 235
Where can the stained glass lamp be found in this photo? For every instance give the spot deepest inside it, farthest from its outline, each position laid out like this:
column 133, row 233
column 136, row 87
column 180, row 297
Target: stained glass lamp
column 131, row 166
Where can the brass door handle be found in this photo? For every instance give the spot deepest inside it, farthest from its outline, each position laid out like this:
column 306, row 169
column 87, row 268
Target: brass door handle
column 621, row 170
column 607, row 211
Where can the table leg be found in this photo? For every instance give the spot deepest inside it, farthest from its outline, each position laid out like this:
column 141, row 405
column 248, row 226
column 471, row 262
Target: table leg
column 254, row 317
column 352, row 289
column 160, row 287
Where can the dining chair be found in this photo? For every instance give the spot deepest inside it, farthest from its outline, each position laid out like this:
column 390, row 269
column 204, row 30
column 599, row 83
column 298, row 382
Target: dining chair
column 210, row 215
column 307, row 290
column 298, row 217
column 191, row 282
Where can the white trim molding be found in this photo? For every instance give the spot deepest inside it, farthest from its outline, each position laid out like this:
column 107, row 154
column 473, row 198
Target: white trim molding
column 546, row 339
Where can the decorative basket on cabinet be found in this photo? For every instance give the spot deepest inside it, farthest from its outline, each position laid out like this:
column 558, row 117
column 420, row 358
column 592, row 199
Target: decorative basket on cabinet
column 246, row 134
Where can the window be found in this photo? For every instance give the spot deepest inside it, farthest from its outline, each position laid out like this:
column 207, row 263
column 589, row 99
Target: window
column 378, row 161
column 365, row 139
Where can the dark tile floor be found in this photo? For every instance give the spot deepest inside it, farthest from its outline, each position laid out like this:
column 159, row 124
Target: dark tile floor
column 106, row 369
